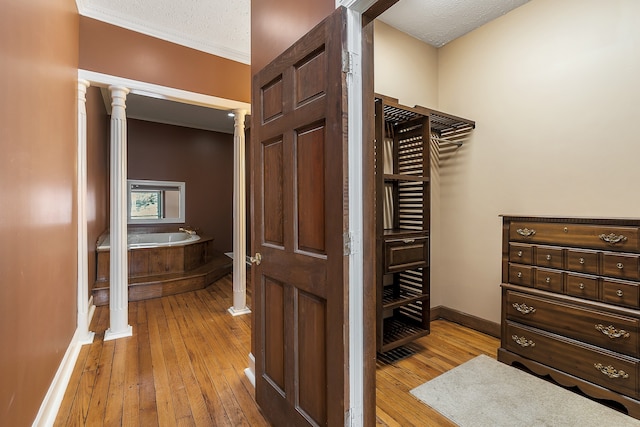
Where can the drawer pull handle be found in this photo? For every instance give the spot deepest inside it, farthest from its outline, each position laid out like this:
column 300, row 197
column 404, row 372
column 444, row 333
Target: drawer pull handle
column 548, row 280
column 522, row 341
column 612, row 332
column 523, row 308
column 526, row 232
column 610, row 371
column 519, row 253
column 408, row 240
column 519, row 274
column 581, row 260
column 548, row 257
column 619, row 292
column 613, row 238
column 620, row 266
column 581, row 286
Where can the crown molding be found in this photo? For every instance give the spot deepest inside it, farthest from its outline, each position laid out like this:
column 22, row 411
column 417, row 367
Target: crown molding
column 124, row 21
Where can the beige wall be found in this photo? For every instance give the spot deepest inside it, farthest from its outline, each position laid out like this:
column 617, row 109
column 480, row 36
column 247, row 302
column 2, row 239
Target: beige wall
column 554, row 91
column 405, row 68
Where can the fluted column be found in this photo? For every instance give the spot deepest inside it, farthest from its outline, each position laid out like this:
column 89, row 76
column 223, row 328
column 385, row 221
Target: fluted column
column 84, row 308
column 239, row 218
column 118, row 272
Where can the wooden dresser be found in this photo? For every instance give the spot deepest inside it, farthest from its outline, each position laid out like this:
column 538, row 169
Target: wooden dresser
column 570, row 303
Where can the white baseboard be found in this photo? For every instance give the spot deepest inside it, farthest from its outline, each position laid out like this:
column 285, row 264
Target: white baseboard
column 53, row 399
column 250, row 372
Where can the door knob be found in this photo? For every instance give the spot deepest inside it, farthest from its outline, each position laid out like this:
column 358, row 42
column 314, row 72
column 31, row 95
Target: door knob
column 256, row 259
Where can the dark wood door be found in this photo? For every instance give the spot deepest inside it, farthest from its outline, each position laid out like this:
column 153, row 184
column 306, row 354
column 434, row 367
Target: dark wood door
column 299, row 186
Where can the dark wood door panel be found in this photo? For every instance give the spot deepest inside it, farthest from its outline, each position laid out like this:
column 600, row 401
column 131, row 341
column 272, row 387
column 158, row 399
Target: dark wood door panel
column 310, row 192
column 311, row 315
column 271, row 100
column 299, row 183
column 310, row 77
column 273, row 313
column 272, row 186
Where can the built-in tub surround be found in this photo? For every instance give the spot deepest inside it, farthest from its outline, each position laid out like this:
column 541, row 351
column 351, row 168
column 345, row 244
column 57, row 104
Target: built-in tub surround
column 151, row 240
column 161, row 263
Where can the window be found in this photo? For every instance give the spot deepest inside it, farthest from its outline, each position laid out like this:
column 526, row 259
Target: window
column 153, row 202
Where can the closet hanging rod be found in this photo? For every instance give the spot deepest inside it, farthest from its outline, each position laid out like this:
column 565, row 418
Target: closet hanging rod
column 457, row 142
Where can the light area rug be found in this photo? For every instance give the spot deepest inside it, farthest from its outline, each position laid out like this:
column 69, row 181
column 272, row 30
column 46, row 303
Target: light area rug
column 486, row 393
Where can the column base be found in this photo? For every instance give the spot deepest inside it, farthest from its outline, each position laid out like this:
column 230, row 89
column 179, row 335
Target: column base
column 239, row 312
column 109, row 335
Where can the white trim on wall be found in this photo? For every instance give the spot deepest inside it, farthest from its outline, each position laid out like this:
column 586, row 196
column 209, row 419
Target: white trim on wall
column 53, row 399
column 163, row 92
column 356, row 215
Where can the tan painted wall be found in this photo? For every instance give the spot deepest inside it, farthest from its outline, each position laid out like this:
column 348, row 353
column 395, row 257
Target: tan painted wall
column 38, row 243
column 407, row 69
column 553, row 88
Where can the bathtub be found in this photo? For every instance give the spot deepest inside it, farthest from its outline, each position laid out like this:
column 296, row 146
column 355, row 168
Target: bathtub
column 151, row 240
column 159, row 264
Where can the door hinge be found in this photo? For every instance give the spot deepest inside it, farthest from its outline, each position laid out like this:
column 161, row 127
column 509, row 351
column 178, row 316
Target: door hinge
column 350, row 240
column 347, row 62
column 346, row 238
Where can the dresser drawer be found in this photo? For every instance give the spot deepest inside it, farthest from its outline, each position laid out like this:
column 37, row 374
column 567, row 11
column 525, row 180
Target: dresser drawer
column 549, row 280
column 405, row 253
column 581, row 285
column 618, row 265
column 547, row 256
column 613, row 371
column 521, row 275
column 521, row 254
column 610, row 331
column 582, row 261
column 619, row 292
column 588, row 236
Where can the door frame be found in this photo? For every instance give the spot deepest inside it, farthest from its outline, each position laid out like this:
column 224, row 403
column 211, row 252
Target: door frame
column 85, row 301
column 362, row 299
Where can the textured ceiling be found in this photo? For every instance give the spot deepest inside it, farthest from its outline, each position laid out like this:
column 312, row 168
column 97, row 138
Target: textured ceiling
column 222, row 27
column 219, row 27
column 437, row 22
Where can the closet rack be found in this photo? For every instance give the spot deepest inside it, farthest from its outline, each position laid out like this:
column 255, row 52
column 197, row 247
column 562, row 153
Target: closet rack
column 402, row 165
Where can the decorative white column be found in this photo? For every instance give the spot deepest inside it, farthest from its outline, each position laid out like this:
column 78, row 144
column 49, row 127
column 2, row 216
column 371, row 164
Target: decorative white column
column 239, row 218
column 119, row 267
column 85, row 306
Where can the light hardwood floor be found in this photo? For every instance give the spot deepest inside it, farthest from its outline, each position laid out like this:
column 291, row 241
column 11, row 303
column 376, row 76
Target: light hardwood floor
column 184, row 366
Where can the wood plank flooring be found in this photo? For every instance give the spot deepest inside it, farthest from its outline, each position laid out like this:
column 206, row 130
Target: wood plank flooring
column 184, row 366
column 447, row 346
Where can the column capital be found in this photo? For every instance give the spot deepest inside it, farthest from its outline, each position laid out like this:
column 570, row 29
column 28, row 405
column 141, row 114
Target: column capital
column 83, row 83
column 82, row 89
column 119, row 88
column 118, row 101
